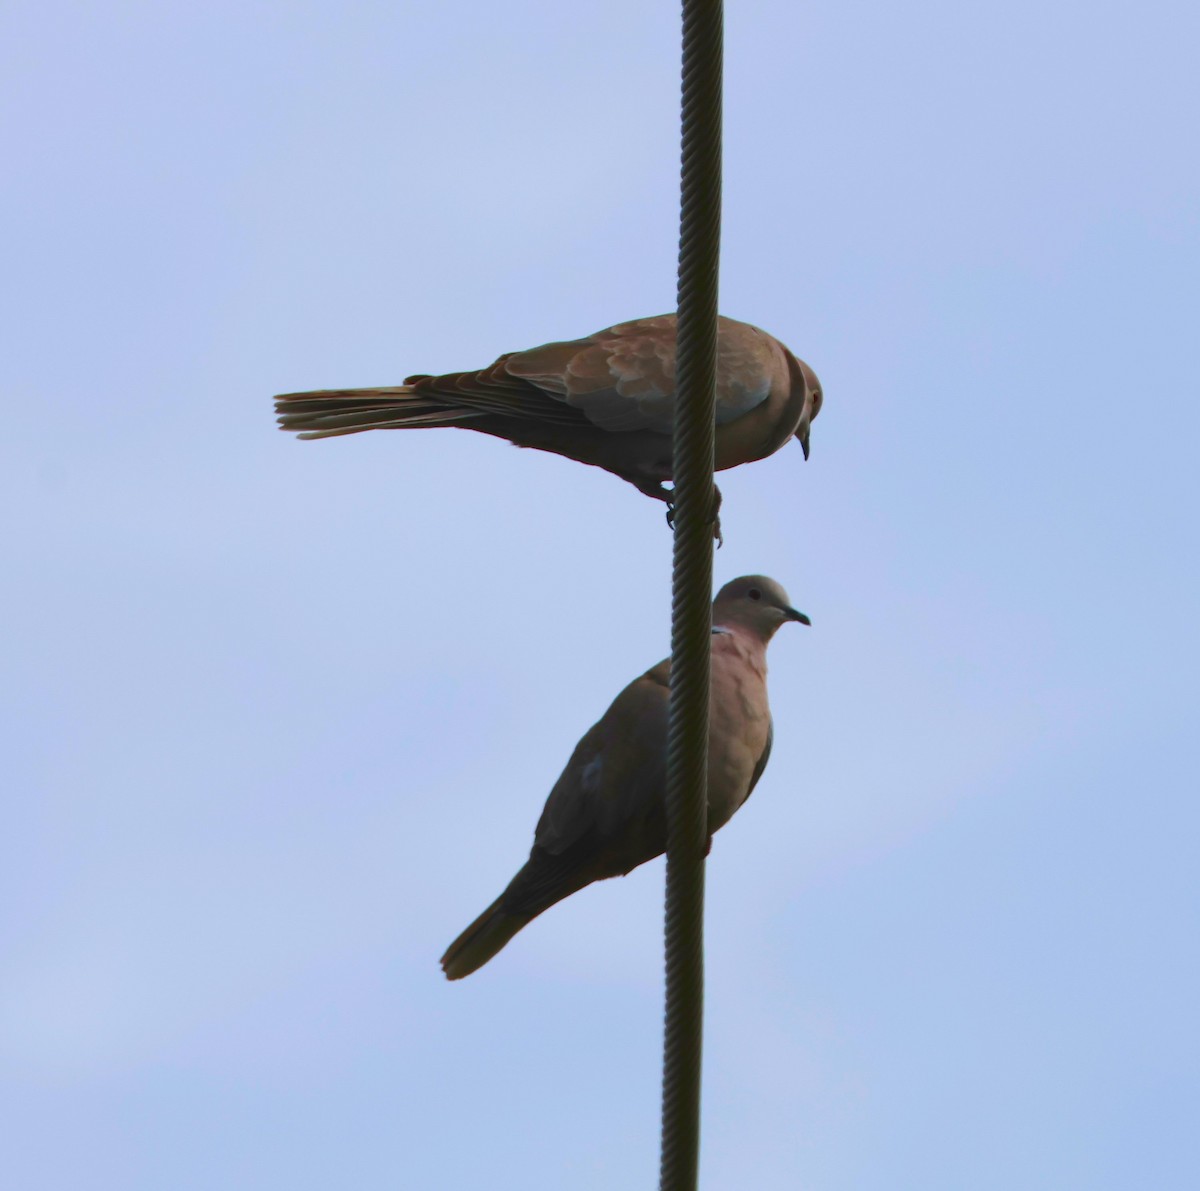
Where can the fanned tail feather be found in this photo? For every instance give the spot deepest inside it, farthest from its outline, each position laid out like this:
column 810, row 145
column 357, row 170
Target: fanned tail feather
column 326, row 413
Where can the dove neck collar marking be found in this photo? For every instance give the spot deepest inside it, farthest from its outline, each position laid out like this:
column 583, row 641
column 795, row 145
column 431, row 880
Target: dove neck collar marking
column 720, row 628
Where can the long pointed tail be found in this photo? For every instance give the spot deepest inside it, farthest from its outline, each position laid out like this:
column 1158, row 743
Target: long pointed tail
column 326, row 413
column 487, row 935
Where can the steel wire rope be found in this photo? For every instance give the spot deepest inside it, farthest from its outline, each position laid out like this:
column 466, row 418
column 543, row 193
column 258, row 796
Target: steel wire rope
column 691, row 603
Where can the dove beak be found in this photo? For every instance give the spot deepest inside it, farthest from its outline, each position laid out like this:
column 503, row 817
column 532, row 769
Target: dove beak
column 799, row 617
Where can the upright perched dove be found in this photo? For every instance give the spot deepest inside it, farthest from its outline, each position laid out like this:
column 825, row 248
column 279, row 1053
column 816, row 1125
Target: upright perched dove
column 607, row 812
column 607, row 400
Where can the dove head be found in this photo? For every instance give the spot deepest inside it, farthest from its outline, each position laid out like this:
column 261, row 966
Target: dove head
column 815, row 396
column 755, row 604
column 813, row 384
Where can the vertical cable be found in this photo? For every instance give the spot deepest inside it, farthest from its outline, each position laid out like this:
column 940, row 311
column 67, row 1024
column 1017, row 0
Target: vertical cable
column 691, row 619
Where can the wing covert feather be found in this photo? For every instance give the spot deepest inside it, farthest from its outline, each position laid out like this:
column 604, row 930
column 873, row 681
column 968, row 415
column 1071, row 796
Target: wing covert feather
column 617, row 772
column 623, row 378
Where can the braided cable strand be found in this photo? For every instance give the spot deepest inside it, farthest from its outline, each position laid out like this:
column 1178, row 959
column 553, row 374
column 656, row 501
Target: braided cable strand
column 691, row 619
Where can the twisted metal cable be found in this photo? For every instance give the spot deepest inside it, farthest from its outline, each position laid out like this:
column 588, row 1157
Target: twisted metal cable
column 691, row 615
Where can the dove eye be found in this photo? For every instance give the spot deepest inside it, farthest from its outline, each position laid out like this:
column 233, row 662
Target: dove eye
column 754, row 593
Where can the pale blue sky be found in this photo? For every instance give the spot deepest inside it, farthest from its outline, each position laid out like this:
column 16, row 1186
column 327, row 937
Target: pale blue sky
column 279, row 717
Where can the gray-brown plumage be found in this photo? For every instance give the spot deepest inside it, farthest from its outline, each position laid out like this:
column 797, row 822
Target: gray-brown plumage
column 606, row 813
column 606, row 400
